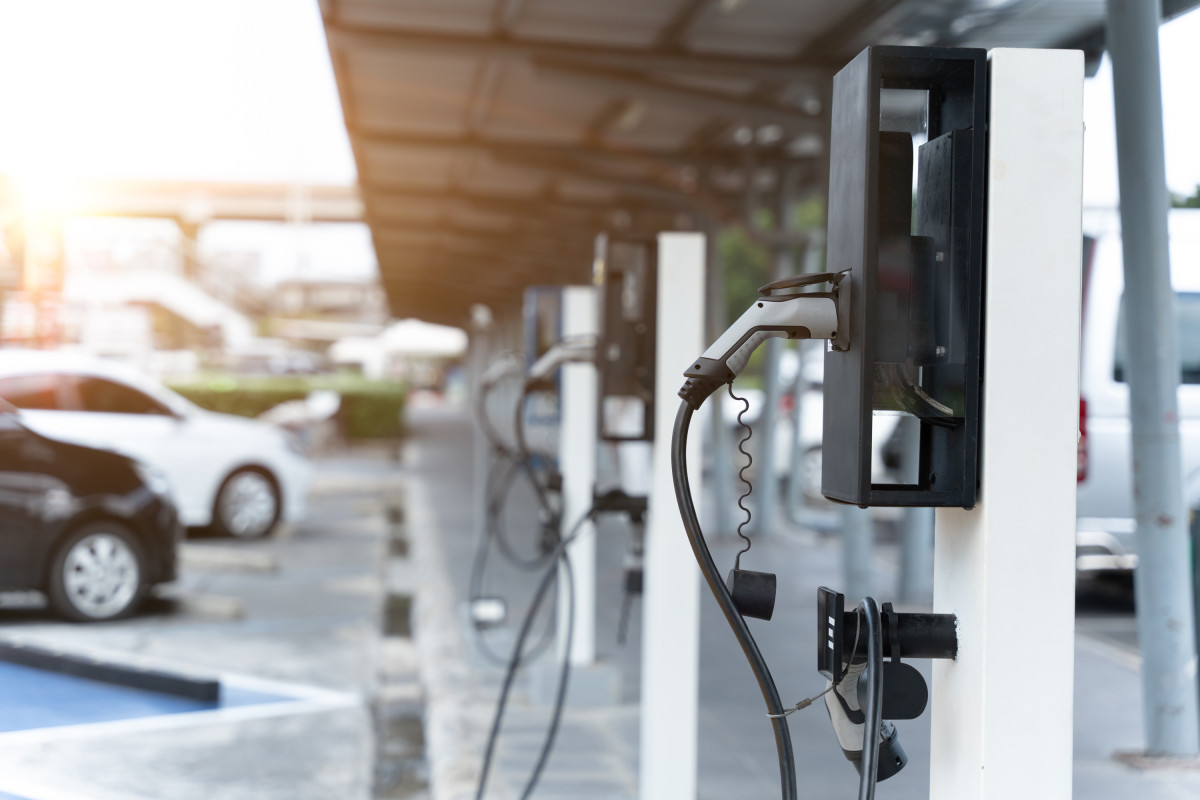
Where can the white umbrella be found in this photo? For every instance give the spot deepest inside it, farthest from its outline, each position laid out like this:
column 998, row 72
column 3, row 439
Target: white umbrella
column 415, row 338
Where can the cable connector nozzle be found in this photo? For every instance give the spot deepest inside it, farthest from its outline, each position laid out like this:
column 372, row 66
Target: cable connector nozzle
column 696, row 390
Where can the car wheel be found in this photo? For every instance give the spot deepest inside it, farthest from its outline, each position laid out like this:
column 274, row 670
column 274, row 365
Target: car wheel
column 97, row 573
column 247, row 505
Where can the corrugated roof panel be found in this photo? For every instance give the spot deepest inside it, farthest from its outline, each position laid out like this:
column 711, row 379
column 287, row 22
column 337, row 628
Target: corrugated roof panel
column 404, row 211
column 493, row 222
column 533, row 108
column 407, row 239
column 488, row 177
column 445, row 16
column 765, row 27
column 1043, row 25
column 469, row 75
column 409, row 92
column 662, row 127
column 425, row 168
column 404, row 117
column 628, row 23
column 585, row 190
column 734, row 85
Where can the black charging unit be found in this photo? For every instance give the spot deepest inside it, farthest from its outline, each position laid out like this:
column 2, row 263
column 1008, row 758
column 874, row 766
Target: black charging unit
column 916, row 269
column 626, row 270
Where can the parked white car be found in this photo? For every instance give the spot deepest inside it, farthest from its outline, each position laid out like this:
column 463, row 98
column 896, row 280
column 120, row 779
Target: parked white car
column 1105, row 524
column 239, row 476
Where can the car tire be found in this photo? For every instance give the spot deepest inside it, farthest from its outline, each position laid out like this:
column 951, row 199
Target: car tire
column 247, row 505
column 97, row 573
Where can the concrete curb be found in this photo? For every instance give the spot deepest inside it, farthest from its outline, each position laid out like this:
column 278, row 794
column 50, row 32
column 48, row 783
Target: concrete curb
column 456, row 713
column 183, row 683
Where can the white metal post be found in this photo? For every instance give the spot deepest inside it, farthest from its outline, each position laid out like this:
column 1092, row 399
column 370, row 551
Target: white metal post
column 671, row 603
column 1002, row 721
column 577, row 460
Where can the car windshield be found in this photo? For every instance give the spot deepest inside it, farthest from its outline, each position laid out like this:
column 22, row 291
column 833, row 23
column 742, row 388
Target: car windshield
column 105, row 396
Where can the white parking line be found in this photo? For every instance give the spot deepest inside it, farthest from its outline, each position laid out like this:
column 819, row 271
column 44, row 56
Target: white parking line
column 1106, row 649
column 298, row 699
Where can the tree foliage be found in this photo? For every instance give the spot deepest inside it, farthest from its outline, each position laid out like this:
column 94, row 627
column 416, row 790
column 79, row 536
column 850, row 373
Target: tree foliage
column 748, row 264
column 1192, row 201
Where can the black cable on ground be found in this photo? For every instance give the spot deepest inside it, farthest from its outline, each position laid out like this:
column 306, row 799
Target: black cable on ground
column 691, row 523
column 514, row 663
column 560, row 695
column 874, row 710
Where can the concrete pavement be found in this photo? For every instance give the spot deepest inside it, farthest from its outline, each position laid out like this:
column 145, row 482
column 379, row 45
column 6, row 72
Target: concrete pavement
column 596, row 756
column 305, row 616
column 300, row 616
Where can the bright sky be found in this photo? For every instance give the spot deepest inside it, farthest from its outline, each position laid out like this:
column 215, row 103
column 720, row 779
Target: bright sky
column 197, row 89
column 1178, row 41
column 243, row 90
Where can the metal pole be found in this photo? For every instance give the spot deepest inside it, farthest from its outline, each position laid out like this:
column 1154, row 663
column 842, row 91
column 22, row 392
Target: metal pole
column 767, row 484
column 720, row 453
column 814, row 259
column 671, row 605
column 916, row 535
column 1006, row 568
column 477, row 356
column 794, row 501
column 1166, row 625
column 578, row 463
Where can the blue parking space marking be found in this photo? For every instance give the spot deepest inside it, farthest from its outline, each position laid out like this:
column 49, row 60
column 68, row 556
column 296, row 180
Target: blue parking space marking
column 32, row 698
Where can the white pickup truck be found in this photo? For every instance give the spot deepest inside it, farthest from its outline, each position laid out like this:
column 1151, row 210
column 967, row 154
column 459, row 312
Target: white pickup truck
column 1105, row 525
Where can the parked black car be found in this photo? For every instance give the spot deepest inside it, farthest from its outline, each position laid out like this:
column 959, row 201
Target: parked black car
column 92, row 529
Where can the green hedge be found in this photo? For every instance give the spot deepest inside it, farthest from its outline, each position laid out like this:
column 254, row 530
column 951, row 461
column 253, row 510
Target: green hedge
column 370, row 409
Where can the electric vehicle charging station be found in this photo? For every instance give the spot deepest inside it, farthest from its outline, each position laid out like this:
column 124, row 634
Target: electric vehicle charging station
column 966, row 316
column 627, row 272
column 604, row 358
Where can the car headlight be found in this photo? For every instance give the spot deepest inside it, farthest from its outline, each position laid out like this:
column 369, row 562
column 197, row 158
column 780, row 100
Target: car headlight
column 154, row 478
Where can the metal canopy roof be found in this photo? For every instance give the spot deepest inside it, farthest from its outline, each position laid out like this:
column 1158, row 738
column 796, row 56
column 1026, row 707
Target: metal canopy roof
column 495, row 138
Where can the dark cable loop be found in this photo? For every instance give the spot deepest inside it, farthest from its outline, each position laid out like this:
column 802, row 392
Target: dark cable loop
column 496, row 502
column 758, row 665
column 499, row 481
column 481, row 413
column 564, row 677
column 737, row 561
column 548, row 580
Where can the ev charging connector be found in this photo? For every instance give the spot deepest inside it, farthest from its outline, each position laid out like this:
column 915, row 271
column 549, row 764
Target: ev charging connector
column 778, row 313
column 842, row 658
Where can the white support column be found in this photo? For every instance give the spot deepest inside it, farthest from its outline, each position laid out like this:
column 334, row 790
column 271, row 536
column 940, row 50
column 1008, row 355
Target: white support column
column 577, row 460
column 671, row 603
column 1002, row 723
